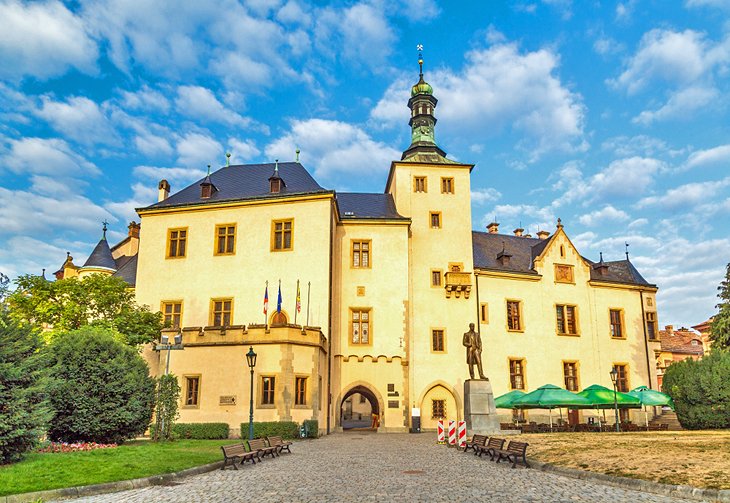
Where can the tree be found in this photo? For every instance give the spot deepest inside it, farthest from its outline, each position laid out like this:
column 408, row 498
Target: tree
column 22, row 408
column 720, row 328
column 100, row 389
column 69, row 304
column 166, row 412
column 700, row 390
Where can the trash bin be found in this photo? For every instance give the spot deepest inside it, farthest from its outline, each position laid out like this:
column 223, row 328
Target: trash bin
column 415, row 420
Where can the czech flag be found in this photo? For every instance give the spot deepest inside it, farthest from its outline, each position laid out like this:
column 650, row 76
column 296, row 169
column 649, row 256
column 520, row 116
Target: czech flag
column 266, row 300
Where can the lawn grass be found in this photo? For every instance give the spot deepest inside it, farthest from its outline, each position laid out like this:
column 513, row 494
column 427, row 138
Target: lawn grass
column 142, row 458
column 696, row 458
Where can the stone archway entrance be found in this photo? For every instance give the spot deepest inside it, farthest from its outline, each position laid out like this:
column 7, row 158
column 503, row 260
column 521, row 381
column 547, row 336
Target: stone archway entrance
column 357, row 409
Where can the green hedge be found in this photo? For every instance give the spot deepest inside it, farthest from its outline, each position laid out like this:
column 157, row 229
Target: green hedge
column 283, row 429
column 311, row 426
column 198, row 431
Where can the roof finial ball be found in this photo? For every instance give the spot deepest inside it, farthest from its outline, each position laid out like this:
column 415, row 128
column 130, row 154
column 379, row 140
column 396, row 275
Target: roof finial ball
column 228, row 159
column 419, row 48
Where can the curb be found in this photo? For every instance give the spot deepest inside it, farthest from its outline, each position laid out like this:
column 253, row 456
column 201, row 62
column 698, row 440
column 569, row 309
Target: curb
column 721, row 495
column 108, row 487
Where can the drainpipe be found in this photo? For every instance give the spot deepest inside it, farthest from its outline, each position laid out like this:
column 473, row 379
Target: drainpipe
column 646, row 340
column 329, row 322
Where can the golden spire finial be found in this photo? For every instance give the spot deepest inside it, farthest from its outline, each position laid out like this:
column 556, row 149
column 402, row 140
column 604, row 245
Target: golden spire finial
column 419, row 48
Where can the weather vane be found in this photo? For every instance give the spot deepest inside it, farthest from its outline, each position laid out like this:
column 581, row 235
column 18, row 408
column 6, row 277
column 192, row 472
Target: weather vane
column 419, row 48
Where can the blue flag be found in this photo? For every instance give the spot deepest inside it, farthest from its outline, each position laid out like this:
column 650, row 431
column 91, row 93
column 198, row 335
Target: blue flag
column 278, row 301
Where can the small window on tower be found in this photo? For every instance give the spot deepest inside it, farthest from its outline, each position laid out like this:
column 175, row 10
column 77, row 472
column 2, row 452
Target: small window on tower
column 419, row 184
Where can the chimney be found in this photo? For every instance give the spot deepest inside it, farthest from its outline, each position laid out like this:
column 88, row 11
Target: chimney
column 163, row 190
column 669, row 329
column 133, row 229
column 518, row 232
column 543, row 234
column 528, row 235
column 601, row 266
column 493, row 228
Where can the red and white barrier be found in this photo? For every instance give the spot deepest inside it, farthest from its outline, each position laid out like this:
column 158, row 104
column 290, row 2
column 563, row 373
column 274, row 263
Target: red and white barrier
column 440, row 431
column 452, row 432
column 461, row 433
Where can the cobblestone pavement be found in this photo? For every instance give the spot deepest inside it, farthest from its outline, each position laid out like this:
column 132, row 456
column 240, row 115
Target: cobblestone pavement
column 368, row 467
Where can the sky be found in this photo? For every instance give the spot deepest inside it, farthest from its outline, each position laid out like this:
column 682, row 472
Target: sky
column 612, row 116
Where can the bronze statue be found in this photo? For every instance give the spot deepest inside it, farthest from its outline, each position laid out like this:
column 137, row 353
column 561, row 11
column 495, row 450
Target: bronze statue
column 473, row 344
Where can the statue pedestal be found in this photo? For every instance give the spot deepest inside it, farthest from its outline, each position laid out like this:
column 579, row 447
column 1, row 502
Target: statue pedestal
column 479, row 411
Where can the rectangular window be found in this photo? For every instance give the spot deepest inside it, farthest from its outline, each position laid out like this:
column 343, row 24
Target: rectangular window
column 221, row 311
column 267, row 390
column 300, row 397
column 437, row 340
column 622, row 378
column 484, row 313
column 517, row 374
column 617, row 330
column 176, row 242
column 361, row 254
column 225, row 239
column 514, row 322
column 563, row 273
column 360, row 326
column 435, row 218
column 438, row 409
column 651, row 326
column 570, row 376
column 447, row 185
column 192, row 391
column 436, row 277
column 172, row 313
column 419, row 184
column 281, row 235
column 566, row 322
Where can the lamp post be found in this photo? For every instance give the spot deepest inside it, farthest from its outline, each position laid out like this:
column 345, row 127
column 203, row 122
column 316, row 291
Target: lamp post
column 165, row 344
column 251, row 360
column 614, row 378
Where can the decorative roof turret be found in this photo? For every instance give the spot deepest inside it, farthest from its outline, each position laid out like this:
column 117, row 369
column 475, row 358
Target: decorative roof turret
column 101, row 257
column 206, row 186
column 276, row 183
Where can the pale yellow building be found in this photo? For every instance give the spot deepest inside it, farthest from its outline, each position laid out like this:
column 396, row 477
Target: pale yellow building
column 388, row 284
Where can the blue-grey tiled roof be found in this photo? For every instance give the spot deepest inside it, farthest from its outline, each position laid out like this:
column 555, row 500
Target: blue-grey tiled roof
column 101, row 256
column 367, row 206
column 128, row 269
column 249, row 181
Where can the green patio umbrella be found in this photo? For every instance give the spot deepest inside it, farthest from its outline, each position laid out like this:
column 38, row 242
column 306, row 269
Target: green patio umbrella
column 549, row 397
column 602, row 398
column 505, row 401
column 651, row 398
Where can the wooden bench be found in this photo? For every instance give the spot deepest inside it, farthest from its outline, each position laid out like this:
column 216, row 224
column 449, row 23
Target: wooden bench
column 493, row 445
column 515, row 452
column 476, row 441
column 279, row 443
column 235, row 452
column 259, row 445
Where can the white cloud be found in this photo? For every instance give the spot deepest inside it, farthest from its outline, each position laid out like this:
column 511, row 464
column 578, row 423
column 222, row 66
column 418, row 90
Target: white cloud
column 502, row 88
column 481, row 196
column 680, row 104
column 607, row 45
column 606, row 214
column 639, row 145
column 46, row 156
column 78, row 118
column 720, row 4
column 146, row 99
column 543, row 217
column 197, row 150
column 333, row 148
column 715, row 155
column 43, row 40
column 686, row 196
column 27, row 255
column 420, row 10
column 176, row 176
column 152, row 145
column 201, row 103
column 292, row 12
column 142, row 195
column 242, row 150
column 639, row 222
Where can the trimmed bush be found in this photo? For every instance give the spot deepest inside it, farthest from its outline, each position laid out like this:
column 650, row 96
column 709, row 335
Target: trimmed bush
column 198, row 431
column 22, row 411
column 311, row 426
column 701, row 391
column 100, row 389
column 283, row 429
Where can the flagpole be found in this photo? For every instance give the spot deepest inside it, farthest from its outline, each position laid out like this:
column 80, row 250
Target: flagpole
column 295, row 307
column 309, row 286
column 266, row 306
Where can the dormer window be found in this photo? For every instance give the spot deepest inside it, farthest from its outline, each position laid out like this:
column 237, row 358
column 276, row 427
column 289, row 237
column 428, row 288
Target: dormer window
column 206, row 190
column 275, row 185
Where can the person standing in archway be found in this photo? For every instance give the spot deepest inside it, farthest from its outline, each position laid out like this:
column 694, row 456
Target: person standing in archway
column 376, row 421
column 473, row 343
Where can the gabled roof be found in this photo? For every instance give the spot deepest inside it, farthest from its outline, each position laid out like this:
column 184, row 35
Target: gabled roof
column 680, row 341
column 354, row 206
column 619, row 271
column 101, row 256
column 249, row 181
column 127, row 269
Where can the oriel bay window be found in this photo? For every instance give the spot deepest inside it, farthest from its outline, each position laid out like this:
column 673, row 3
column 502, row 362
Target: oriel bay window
column 268, row 384
column 360, row 326
column 176, row 242
column 565, row 318
column 517, row 374
column 172, row 313
column 221, row 312
column 225, row 239
column 361, row 254
column 281, row 231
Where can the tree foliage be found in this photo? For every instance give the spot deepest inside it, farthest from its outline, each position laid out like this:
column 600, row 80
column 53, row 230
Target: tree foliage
column 700, row 390
column 166, row 412
column 22, row 408
column 720, row 328
column 69, row 304
column 99, row 390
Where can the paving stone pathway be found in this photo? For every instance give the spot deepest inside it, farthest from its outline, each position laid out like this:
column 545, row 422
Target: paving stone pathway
column 369, row 467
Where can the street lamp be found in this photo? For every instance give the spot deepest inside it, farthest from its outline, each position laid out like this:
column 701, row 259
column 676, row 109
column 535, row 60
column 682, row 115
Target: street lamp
column 614, row 378
column 165, row 344
column 251, row 360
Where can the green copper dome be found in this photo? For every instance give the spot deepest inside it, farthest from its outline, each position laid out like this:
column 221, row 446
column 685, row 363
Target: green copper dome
column 422, row 87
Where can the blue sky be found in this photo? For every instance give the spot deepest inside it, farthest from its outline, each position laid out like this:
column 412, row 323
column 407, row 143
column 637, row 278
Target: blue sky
column 610, row 115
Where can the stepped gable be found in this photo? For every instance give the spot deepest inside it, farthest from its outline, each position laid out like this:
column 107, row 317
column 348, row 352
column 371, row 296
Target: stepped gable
column 245, row 181
column 354, row 206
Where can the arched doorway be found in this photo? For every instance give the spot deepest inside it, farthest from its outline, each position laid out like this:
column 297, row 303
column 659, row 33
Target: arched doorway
column 357, row 409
